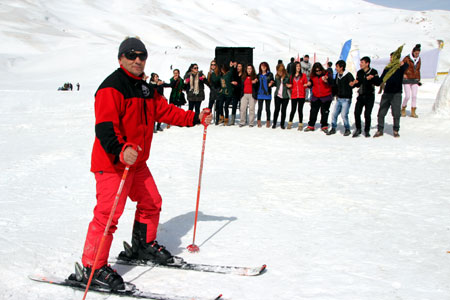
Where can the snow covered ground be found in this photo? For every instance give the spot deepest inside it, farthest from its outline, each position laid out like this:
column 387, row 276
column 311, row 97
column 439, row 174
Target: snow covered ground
column 333, row 217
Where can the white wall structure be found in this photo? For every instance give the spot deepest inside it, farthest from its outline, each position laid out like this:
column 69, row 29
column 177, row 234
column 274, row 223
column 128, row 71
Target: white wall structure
column 442, row 103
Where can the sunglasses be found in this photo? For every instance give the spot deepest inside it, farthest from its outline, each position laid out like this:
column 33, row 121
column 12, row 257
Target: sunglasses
column 133, row 55
column 213, row 64
column 317, row 71
column 195, row 68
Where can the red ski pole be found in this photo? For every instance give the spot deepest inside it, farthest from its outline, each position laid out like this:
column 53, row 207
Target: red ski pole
column 108, row 225
column 193, row 247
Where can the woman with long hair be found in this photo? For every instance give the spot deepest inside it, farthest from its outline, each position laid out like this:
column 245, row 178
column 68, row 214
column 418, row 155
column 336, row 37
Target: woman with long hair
column 264, row 94
column 320, row 83
column 159, row 86
column 411, row 80
column 237, row 90
column 282, row 94
column 298, row 81
column 225, row 94
column 177, row 96
column 195, row 86
column 213, row 81
column 248, row 96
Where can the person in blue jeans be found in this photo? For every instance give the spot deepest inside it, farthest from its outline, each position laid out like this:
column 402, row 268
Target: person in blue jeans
column 343, row 87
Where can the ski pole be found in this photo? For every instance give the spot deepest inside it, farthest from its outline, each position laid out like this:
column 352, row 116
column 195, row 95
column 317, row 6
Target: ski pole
column 193, row 247
column 108, row 225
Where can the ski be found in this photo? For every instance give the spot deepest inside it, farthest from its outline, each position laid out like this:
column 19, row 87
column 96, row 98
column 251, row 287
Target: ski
column 130, row 290
column 181, row 264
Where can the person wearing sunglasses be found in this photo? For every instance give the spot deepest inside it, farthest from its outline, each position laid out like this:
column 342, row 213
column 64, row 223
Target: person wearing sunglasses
column 126, row 109
column 195, row 86
column 320, row 83
column 213, row 81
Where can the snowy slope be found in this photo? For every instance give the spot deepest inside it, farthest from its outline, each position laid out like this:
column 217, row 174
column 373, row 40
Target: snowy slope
column 48, row 42
column 332, row 217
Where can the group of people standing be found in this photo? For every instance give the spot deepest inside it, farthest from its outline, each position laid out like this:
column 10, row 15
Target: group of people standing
column 234, row 84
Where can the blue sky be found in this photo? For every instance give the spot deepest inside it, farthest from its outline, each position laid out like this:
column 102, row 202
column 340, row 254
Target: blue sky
column 414, row 4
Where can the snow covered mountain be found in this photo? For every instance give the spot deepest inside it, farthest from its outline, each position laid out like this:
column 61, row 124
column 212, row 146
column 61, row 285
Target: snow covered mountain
column 44, row 42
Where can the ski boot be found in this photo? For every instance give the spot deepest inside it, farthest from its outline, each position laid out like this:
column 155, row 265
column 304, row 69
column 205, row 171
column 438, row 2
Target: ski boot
column 104, row 277
column 141, row 250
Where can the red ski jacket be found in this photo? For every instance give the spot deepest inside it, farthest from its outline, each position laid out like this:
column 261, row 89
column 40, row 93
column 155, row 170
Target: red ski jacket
column 320, row 88
column 298, row 89
column 126, row 109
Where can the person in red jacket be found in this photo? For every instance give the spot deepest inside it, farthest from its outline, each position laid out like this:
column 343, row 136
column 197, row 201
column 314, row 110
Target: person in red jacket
column 126, row 109
column 320, row 82
column 298, row 81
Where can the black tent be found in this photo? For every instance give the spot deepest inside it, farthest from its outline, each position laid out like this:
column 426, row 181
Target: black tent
column 243, row 55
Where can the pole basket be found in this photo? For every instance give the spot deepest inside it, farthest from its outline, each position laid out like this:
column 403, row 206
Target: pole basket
column 193, row 248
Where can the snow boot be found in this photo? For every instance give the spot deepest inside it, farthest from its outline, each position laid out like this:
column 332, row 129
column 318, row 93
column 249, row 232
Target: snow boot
column 309, row 128
column 259, row 123
column 289, row 125
column 225, row 122
column 300, row 127
column 356, row 133
column 104, row 277
column 347, row 132
column 378, row 134
column 367, row 134
column 324, row 129
column 142, row 250
column 403, row 111
column 413, row 113
column 232, row 121
column 268, row 123
column 159, row 127
column 332, row 131
column 396, row 134
column 220, row 120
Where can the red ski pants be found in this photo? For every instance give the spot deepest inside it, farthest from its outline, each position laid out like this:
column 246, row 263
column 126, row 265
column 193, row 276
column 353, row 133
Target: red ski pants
column 141, row 188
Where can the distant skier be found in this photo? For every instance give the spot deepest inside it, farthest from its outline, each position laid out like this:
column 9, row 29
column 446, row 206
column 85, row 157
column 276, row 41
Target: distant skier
column 126, row 108
column 78, row 86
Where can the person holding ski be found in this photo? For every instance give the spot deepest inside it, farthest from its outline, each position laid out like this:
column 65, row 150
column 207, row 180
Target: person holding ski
column 126, row 109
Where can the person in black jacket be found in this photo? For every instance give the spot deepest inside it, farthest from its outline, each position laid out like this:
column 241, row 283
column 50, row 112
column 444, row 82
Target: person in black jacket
column 344, row 84
column 238, row 71
column 366, row 80
column 159, row 86
column 392, row 97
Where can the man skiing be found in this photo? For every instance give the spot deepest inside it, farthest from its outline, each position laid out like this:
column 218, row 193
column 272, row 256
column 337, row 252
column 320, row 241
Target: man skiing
column 126, row 109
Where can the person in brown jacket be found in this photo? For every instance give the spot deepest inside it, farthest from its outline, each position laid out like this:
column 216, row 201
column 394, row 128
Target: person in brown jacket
column 411, row 80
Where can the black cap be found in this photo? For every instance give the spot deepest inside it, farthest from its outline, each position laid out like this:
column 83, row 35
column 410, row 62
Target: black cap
column 131, row 44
